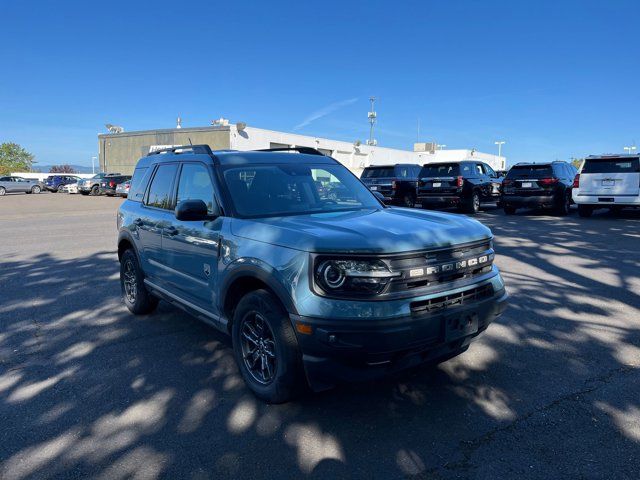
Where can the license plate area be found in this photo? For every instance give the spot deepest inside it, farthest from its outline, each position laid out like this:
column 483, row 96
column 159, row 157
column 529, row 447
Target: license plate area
column 527, row 184
column 460, row 326
column 608, row 183
column 373, row 188
column 437, row 184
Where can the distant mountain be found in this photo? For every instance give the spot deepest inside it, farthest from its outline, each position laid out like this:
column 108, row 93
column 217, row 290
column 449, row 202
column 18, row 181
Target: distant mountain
column 78, row 168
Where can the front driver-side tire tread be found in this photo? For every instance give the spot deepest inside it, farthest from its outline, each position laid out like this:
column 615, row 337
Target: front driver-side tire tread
column 144, row 302
column 288, row 380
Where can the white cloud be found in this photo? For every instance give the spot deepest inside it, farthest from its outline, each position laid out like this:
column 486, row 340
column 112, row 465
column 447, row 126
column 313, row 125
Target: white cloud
column 323, row 112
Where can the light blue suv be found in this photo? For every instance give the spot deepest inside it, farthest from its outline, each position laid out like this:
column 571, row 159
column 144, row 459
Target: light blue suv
column 313, row 289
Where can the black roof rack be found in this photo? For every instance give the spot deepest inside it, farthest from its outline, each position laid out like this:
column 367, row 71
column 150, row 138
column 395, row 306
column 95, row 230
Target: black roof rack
column 206, row 149
column 307, row 150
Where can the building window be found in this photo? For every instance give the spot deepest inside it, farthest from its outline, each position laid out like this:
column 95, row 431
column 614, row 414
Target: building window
column 278, row 145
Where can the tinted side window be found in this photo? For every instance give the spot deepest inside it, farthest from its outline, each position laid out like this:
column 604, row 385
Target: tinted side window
column 195, row 184
column 139, row 184
column 488, row 170
column 161, row 186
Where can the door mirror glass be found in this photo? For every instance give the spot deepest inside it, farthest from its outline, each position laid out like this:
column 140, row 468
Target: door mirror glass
column 192, row 210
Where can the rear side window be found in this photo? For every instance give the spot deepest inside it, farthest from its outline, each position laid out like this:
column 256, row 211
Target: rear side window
column 378, row 172
column 161, row 187
column 532, row 171
column 611, row 165
column 138, row 184
column 441, row 170
column 195, row 184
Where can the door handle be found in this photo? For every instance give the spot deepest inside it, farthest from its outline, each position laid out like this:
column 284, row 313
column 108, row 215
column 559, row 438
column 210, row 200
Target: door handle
column 170, row 231
column 138, row 222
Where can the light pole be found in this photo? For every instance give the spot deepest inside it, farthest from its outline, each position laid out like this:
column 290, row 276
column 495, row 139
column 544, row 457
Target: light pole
column 93, row 165
column 500, row 143
column 630, row 149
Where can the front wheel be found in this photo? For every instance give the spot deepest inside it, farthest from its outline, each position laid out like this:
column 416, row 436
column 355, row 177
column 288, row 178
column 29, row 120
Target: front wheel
column 135, row 295
column 266, row 348
column 408, row 201
column 585, row 210
column 3, row 191
column 95, row 190
column 564, row 205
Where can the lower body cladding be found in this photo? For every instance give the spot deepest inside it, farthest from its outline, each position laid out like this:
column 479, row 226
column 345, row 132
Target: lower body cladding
column 438, row 328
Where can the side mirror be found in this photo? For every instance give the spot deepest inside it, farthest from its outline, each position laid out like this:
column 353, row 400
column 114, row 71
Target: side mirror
column 192, row 210
column 379, row 196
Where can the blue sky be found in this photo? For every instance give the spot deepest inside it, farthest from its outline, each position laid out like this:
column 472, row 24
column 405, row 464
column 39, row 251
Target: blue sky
column 554, row 79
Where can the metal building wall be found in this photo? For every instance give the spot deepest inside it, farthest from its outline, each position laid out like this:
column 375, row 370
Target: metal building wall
column 120, row 152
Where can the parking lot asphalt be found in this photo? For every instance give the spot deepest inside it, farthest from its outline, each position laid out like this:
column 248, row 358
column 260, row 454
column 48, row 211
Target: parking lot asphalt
column 552, row 390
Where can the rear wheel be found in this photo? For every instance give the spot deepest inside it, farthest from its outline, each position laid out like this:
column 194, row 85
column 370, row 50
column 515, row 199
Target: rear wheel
column 2, row 191
column 509, row 210
column 473, row 203
column 585, row 210
column 36, row 189
column 564, row 205
column 266, row 348
column 135, row 295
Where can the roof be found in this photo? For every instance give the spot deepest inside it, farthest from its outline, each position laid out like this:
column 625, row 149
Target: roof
column 392, row 165
column 232, row 157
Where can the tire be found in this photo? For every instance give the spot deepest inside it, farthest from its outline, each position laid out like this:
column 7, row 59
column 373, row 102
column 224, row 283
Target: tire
column 563, row 208
column 95, row 190
column 3, row 191
column 585, row 211
column 472, row 205
column 261, row 327
column 509, row 210
column 36, row 189
column 408, row 201
column 135, row 295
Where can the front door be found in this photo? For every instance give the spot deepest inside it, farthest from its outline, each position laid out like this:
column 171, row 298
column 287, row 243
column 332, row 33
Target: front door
column 190, row 248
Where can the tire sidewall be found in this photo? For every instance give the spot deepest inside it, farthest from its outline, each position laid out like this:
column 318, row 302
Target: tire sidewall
column 3, row 191
column 287, row 378
column 36, row 189
column 145, row 302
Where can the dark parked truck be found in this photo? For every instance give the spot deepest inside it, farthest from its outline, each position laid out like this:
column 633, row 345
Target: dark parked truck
column 538, row 185
column 396, row 183
column 91, row 186
column 461, row 184
column 313, row 291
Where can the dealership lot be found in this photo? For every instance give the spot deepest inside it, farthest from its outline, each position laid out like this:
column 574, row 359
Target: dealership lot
column 86, row 389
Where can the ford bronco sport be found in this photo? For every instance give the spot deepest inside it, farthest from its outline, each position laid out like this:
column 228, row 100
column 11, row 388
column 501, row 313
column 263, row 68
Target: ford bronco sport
column 311, row 289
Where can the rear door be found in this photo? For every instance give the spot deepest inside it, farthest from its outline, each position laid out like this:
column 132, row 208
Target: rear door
column 610, row 176
column 440, row 179
column 379, row 179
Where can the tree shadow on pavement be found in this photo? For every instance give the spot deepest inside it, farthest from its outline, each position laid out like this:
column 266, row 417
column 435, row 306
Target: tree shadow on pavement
column 551, row 389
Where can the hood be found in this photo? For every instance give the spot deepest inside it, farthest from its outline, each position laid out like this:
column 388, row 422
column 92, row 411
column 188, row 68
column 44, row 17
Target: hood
column 389, row 230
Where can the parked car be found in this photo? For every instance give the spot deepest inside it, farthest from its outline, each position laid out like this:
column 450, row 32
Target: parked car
column 607, row 181
column 538, row 185
column 461, row 184
column 11, row 184
column 91, row 186
column 310, row 290
column 397, row 183
column 69, row 188
column 122, row 190
column 54, row 182
column 109, row 183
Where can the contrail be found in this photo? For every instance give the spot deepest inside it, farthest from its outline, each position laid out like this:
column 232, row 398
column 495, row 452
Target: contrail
column 323, row 112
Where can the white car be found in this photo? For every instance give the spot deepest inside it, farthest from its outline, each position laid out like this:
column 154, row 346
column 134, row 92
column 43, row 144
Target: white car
column 607, row 181
column 69, row 188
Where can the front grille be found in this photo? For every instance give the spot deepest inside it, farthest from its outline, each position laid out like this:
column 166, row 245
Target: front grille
column 453, row 300
column 436, row 267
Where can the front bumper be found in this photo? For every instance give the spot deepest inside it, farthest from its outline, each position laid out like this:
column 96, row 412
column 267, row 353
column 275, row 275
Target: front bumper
column 350, row 350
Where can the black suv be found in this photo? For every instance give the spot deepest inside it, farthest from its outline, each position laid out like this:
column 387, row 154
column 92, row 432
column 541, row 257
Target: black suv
column 536, row 185
column 109, row 183
column 396, row 183
column 461, row 184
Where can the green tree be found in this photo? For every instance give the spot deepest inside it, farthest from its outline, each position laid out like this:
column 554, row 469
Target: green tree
column 577, row 162
column 14, row 158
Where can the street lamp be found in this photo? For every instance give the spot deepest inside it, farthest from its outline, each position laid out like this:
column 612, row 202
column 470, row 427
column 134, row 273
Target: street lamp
column 93, row 165
column 500, row 143
column 630, row 149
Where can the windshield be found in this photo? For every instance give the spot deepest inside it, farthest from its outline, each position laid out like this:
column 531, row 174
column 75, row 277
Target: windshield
column 534, row 171
column 275, row 190
column 440, row 170
column 611, row 165
column 380, row 172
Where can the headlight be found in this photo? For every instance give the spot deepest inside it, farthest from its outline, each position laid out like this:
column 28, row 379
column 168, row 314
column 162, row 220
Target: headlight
column 352, row 277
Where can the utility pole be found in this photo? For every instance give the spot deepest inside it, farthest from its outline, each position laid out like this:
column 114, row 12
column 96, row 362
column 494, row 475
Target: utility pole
column 93, row 165
column 372, row 121
column 630, row 149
